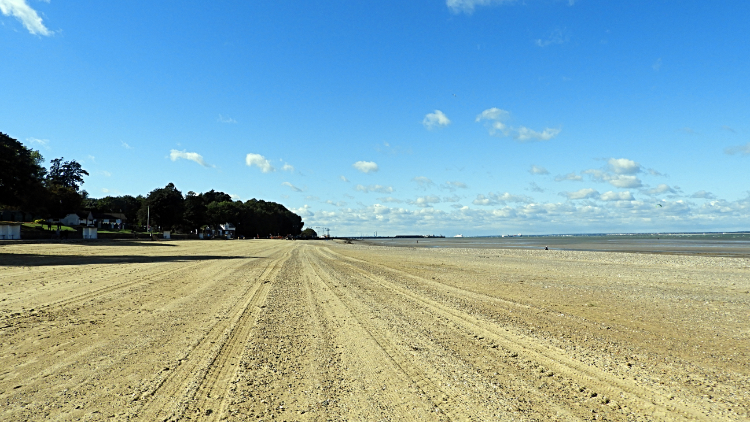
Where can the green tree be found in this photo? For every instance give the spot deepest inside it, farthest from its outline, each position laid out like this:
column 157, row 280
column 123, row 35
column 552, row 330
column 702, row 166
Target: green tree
column 68, row 174
column 21, row 175
column 213, row 196
column 195, row 215
column 166, row 206
column 308, row 233
column 224, row 212
column 62, row 200
column 125, row 204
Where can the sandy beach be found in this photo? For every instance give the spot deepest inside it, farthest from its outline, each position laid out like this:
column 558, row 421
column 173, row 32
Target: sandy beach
column 329, row 331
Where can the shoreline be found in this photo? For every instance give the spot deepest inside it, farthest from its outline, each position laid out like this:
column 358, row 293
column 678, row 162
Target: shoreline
column 670, row 246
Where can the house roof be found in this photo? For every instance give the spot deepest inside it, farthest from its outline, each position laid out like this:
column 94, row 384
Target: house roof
column 110, row 215
column 79, row 214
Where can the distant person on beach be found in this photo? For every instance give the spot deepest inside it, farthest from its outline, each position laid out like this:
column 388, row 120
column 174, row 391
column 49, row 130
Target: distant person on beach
column 546, row 248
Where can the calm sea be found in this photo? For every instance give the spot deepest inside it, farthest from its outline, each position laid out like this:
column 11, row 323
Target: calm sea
column 710, row 244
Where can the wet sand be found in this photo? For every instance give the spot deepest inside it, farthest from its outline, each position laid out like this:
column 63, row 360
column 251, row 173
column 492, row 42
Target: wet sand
column 318, row 331
column 730, row 245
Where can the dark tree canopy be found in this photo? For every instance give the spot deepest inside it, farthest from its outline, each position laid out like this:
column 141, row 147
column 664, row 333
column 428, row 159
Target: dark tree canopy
column 166, row 207
column 213, row 196
column 224, row 212
column 194, row 216
column 125, row 204
column 68, row 174
column 309, row 233
column 21, row 175
column 62, row 200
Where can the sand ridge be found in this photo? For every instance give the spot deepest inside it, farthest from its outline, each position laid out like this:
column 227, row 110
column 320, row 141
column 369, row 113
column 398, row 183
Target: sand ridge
column 262, row 330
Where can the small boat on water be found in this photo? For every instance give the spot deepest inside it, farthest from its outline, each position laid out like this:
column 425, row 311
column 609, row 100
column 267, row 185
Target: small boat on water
column 459, row 235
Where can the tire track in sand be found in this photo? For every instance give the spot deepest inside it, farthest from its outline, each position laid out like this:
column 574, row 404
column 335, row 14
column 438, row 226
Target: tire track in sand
column 198, row 387
column 427, row 390
column 645, row 400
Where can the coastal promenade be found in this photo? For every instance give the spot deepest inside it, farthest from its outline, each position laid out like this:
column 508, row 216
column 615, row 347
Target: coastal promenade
column 318, row 331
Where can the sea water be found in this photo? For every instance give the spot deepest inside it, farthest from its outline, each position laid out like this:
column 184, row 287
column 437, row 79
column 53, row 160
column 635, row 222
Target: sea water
column 710, row 244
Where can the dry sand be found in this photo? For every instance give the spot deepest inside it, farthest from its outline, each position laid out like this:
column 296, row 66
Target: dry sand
column 318, row 331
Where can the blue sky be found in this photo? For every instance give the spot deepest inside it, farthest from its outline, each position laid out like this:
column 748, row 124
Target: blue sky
column 478, row 117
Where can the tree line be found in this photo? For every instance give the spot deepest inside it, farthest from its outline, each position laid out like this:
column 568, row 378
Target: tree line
column 26, row 185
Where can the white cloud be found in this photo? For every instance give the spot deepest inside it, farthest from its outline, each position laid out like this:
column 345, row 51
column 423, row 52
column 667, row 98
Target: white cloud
column 493, row 113
column 44, row 143
column 303, row 211
column 366, row 166
column 617, row 196
column 728, row 129
column 503, row 198
column 452, row 186
column 175, row 155
column 586, row 193
column 336, row 204
column 467, row 6
column 436, row 120
column 616, row 180
column 623, row 166
column 292, row 187
column 390, row 199
column 622, row 181
column 524, row 134
column 534, row 187
column 223, row 119
column 423, row 182
column 738, row 149
column 259, row 161
column 373, row 188
column 701, row 194
column 495, row 117
column 288, row 167
column 106, row 173
column 662, row 188
column 28, row 16
column 344, row 179
column 654, row 172
column 586, row 216
column 125, row 145
column 570, row 176
column 538, row 170
column 425, row 201
column 482, row 200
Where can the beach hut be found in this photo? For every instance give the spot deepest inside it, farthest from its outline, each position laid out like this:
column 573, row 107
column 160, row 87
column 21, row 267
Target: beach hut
column 10, row 230
column 89, row 233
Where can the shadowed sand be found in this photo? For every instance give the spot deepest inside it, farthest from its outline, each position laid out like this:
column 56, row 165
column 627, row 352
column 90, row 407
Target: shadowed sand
column 251, row 330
